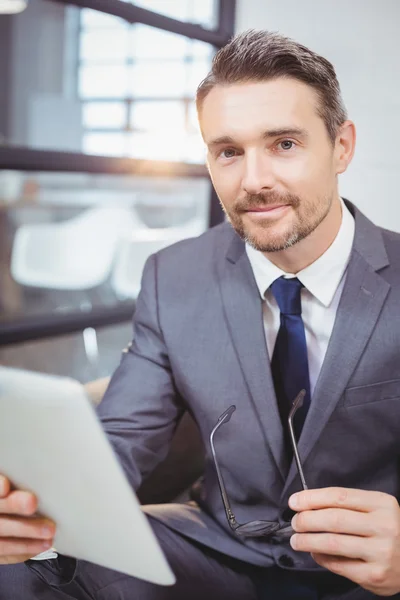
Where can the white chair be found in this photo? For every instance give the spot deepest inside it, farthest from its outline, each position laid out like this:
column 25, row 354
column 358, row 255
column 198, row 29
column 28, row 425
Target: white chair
column 133, row 251
column 76, row 254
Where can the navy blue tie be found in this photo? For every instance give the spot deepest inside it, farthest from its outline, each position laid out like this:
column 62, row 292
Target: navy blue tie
column 289, row 363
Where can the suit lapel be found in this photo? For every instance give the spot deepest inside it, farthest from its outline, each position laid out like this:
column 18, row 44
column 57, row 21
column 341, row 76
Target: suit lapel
column 243, row 309
column 363, row 297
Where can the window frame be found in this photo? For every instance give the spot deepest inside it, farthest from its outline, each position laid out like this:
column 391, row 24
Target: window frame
column 133, row 14
column 218, row 37
column 226, row 11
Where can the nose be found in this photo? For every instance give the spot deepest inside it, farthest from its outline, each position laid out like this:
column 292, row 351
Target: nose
column 258, row 173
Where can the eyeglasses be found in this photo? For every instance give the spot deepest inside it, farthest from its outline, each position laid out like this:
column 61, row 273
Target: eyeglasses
column 258, row 528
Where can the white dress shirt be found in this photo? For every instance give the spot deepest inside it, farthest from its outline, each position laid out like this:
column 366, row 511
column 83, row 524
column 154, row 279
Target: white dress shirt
column 323, row 282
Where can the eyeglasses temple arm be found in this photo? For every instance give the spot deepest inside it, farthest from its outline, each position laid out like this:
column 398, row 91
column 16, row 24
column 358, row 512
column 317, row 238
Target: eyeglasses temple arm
column 296, row 404
column 228, row 510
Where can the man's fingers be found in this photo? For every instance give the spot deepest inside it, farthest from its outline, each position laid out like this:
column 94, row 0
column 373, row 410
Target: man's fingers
column 355, row 570
column 21, row 538
column 18, row 527
column 334, row 544
column 14, row 547
column 335, row 497
column 18, row 503
column 4, row 486
column 335, row 520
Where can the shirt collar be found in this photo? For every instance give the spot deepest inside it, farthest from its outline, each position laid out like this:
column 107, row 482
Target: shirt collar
column 323, row 276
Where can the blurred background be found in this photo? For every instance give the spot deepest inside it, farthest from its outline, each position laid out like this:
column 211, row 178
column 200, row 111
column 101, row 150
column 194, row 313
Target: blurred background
column 102, row 163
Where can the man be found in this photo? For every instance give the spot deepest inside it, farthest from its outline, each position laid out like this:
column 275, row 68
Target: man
column 296, row 298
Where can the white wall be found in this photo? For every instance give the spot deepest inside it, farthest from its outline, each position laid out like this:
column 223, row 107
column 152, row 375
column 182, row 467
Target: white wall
column 361, row 39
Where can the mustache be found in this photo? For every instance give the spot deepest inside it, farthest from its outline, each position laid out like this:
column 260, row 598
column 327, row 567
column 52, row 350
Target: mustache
column 264, row 200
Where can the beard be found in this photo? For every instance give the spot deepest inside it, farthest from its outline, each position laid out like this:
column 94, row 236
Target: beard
column 308, row 215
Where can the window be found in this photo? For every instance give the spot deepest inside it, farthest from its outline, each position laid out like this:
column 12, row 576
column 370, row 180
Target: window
column 201, row 12
column 137, row 83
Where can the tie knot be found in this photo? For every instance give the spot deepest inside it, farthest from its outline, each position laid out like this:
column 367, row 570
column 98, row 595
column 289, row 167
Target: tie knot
column 287, row 294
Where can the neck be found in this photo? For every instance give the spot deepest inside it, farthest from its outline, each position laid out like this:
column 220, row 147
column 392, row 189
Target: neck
column 304, row 253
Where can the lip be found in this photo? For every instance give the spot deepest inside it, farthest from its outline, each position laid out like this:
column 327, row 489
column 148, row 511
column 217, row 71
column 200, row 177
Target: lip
column 268, row 210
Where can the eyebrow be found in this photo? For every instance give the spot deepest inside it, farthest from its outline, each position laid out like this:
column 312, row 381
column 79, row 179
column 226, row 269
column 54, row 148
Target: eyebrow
column 270, row 133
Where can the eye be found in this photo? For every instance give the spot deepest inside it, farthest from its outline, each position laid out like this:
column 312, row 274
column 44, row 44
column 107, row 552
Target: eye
column 228, row 153
column 287, row 145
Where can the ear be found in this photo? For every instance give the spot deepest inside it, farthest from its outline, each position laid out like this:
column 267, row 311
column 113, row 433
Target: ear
column 345, row 145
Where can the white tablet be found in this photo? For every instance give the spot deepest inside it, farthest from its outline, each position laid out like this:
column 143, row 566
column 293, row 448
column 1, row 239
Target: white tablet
column 52, row 443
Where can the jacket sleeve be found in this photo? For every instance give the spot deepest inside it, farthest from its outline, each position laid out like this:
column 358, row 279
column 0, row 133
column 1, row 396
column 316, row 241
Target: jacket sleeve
column 141, row 407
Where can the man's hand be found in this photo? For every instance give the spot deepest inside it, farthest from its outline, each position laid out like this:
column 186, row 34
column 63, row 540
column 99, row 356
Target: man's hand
column 353, row 533
column 22, row 535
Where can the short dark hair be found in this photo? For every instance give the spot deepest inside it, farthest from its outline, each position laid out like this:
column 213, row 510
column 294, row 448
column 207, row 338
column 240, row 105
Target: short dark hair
column 264, row 55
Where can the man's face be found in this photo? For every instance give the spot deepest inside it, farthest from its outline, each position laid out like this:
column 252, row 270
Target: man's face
column 270, row 159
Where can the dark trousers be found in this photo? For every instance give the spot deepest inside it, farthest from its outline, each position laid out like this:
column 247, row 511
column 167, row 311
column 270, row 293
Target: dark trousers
column 201, row 573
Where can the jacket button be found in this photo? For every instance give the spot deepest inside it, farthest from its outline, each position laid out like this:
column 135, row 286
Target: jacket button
column 288, row 515
column 286, row 561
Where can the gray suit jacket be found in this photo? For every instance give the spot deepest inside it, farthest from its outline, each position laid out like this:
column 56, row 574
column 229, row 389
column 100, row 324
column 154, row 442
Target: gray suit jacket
column 199, row 345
